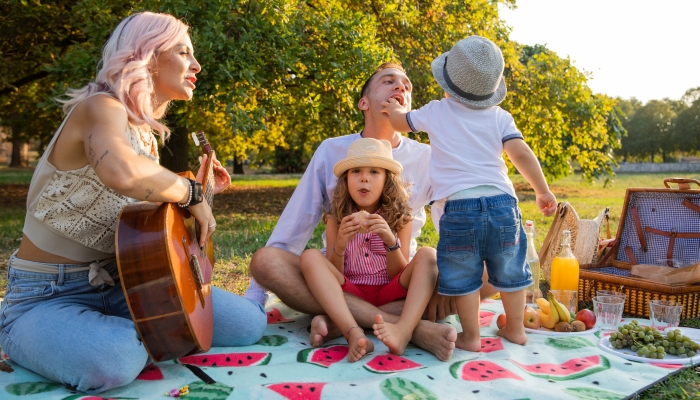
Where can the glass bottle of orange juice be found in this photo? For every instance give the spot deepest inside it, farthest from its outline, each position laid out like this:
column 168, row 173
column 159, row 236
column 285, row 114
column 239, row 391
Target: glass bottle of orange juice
column 564, row 271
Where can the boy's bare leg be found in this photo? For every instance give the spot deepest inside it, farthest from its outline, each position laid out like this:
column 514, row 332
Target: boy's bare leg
column 468, row 309
column 514, row 306
column 420, row 279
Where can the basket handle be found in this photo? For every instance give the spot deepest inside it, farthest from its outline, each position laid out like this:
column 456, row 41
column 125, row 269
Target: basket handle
column 683, row 183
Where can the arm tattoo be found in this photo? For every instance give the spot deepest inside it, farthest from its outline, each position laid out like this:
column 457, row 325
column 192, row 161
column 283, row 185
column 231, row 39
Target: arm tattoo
column 150, row 192
column 91, row 152
column 103, row 156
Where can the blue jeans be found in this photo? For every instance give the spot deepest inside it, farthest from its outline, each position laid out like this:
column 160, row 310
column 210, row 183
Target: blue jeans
column 478, row 230
column 59, row 326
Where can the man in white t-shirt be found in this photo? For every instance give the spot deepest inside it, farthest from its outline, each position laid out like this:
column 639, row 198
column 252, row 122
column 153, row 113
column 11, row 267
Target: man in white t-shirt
column 276, row 266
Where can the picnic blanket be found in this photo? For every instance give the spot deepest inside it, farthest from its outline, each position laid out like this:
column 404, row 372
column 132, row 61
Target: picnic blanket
column 283, row 365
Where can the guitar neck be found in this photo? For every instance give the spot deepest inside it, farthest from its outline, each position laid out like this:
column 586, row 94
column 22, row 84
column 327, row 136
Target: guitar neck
column 208, row 183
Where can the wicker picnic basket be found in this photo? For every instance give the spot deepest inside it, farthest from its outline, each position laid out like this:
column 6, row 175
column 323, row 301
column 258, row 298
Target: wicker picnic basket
column 656, row 224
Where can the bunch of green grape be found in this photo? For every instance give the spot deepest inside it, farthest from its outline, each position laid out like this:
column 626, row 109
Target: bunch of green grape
column 650, row 343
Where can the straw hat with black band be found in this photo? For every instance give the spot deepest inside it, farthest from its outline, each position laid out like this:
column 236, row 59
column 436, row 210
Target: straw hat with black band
column 472, row 72
column 368, row 152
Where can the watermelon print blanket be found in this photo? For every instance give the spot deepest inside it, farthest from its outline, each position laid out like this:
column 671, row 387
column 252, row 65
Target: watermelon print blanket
column 282, row 365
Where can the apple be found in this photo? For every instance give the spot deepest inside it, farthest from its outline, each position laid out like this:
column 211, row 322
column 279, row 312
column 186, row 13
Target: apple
column 531, row 319
column 587, row 317
column 501, row 321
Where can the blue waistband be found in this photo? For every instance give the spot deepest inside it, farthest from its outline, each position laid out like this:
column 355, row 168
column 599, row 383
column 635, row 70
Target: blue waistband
column 480, row 204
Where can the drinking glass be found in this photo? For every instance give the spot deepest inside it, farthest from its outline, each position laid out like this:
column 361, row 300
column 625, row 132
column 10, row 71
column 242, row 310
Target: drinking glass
column 665, row 313
column 569, row 298
column 610, row 293
column 608, row 311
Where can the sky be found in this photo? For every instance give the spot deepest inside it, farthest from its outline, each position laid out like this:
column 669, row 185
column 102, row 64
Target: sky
column 643, row 49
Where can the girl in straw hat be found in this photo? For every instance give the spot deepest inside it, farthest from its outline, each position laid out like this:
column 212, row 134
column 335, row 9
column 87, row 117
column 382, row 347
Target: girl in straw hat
column 368, row 221
column 482, row 222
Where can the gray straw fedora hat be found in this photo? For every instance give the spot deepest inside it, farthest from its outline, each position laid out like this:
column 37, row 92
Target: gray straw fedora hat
column 472, row 72
column 368, row 152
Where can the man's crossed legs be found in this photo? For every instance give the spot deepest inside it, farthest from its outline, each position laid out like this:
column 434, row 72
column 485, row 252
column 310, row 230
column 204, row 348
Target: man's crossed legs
column 278, row 270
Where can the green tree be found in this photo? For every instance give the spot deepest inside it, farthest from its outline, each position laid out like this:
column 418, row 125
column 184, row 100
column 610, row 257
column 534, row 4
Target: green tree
column 649, row 131
column 686, row 127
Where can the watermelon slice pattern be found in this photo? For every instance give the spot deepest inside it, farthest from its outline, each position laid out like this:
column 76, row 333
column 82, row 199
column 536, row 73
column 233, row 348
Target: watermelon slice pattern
column 298, row 390
column 571, row 369
column 227, row 359
column 323, row 356
column 500, row 369
column 480, row 371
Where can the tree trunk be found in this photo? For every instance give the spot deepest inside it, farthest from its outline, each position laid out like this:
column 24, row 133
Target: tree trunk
column 173, row 155
column 237, row 166
column 20, row 154
column 663, row 156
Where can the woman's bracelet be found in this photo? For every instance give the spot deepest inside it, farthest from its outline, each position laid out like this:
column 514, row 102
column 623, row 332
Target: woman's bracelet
column 189, row 199
column 336, row 253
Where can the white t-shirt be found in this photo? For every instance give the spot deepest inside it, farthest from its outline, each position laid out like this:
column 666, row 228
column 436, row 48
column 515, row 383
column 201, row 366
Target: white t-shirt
column 315, row 190
column 466, row 145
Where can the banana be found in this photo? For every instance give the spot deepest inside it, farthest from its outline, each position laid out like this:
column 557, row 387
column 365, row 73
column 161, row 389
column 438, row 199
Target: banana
column 543, row 305
column 564, row 314
column 553, row 316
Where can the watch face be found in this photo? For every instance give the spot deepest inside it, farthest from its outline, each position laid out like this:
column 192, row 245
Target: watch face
column 197, row 195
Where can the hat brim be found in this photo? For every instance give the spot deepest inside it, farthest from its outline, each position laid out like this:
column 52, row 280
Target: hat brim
column 495, row 100
column 364, row 161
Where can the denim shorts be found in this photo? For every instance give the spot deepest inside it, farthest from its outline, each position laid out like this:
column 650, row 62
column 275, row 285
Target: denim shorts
column 482, row 230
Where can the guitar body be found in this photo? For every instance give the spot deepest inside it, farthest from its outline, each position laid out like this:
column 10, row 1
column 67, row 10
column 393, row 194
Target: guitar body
column 165, row 276
column 156, row 244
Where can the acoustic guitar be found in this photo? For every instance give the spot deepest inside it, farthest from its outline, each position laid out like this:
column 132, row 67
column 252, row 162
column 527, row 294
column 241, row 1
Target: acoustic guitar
column 165, row 275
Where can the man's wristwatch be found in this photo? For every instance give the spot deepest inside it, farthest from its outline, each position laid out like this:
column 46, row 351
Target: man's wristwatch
column 196, row 195
column 396, row 246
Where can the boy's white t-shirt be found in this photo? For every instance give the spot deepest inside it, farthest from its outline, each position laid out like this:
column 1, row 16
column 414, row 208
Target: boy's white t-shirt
column 466, row 145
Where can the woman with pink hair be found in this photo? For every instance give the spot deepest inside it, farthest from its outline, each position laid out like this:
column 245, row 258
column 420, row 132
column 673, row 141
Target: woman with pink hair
column 64, row 315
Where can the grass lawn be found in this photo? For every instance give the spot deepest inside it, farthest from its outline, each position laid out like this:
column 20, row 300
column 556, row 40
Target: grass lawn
column 247, row 212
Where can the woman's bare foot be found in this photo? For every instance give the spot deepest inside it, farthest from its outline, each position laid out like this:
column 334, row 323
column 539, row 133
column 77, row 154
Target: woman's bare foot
column 322, row 330
column 395, row 338
column 516, row 335
column 468, row 343
column 436, row 338
column 358, row 344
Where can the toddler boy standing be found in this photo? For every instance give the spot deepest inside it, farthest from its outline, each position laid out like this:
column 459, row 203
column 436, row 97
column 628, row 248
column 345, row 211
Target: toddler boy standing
column 482, row 222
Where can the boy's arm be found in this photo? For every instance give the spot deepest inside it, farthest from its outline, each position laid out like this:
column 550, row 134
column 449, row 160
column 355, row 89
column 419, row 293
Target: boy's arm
column 397, row 115
column 525, row 161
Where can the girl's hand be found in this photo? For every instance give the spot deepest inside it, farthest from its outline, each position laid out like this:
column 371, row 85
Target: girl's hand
column 377, row 225
column 222, row 179
column 348, row 228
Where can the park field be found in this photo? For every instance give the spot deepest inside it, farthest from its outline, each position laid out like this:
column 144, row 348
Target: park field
column 248, row 210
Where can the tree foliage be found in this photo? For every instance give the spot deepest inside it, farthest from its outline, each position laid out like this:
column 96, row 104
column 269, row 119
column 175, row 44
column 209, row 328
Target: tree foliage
column 649, row 131
column 279, row 76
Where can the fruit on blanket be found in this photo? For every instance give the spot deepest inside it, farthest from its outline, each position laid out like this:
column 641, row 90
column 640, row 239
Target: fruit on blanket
column 480, row 371
column 543, row 305
column 389, row 363
column 323, row 356
column 564, row 314
column 572, row 369
column 501, row 321
column 274, row 316
column 578, row 326
column 563, row 326
column 227, row 359
column 531, row 319
column 551, row 319
column 298, row 390
column 587, row 317
column 361, row 217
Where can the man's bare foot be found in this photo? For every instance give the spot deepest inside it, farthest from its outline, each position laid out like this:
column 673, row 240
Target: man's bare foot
column 468, row 343
column 395, row 338
column 516, row 336
column 322, row 330
column 436, row 338
column 358, row 344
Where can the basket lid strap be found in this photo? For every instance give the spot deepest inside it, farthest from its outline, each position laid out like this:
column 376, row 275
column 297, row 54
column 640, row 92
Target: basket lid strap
column 690, row 205
column 638, row 226
column 673, row 233
column 628, row 250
